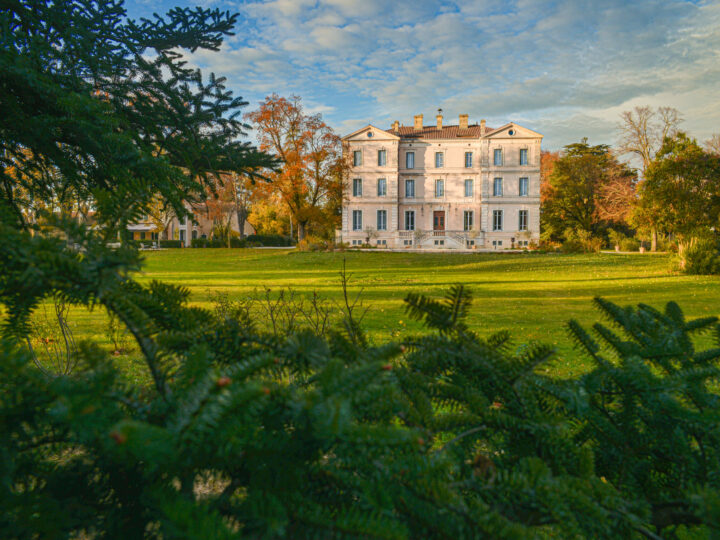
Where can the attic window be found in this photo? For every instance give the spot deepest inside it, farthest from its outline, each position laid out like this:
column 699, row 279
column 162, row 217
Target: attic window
column 511, row 132
column 370, row 134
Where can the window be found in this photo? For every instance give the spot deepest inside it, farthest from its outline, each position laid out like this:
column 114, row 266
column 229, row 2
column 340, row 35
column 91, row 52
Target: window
column 382, row 220
column 407, row 242
column 523, row 220
column 523, row 156
column 381, row 187
column 497, row 157
column 382, row 158
column 357, row 187
column 469, row 188
column 357, row 220
column 523, row 187
column 439, row 188
column 468, row 160
column 439, row 158
column 410, row 220
column 497, row 220
column 357, row 158
column 468, row 216
column 497, row 187
column 470, row 243
column 181, row 221
column 382, row 242
column 410, row 160
column 410, row 188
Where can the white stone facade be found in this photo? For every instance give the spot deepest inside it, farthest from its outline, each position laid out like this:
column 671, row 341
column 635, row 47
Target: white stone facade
column 441, row 197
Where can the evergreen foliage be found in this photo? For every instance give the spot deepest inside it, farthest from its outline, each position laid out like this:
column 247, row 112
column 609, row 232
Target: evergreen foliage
column 248, row 433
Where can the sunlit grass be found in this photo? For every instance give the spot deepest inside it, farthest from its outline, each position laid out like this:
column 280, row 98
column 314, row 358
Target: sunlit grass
column 531, row 295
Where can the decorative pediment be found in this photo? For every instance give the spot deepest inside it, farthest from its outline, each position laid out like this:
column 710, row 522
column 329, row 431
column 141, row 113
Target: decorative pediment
column 512, row 131
column 370, row 133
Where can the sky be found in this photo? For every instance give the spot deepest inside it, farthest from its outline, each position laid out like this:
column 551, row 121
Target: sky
column 566, row 69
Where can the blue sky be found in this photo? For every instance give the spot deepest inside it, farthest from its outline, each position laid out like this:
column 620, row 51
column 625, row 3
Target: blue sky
column 564, row 68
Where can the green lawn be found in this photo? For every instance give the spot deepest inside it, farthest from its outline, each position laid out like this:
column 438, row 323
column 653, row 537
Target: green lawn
column 531, row 295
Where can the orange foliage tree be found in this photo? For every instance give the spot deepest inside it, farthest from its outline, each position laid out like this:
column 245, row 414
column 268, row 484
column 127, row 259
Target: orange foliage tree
column 313, row 172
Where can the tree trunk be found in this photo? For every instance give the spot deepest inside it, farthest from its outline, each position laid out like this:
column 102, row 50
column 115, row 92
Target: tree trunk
column 301, row 230
column 653, row 240
column 241, row 218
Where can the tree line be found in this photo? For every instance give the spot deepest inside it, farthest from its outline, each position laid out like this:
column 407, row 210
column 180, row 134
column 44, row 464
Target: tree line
column 669, row 198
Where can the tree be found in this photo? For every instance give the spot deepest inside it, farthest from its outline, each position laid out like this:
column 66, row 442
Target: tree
column 313, row 169
column 682, row 188
column 587, row 190
column 116, row 116
column 712, row 145
column 642, row 132
column 161, row 215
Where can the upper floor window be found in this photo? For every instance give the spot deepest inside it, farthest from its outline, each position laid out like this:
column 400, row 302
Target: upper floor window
column 468, row 218
column 468, row 160
column 497, row 157
column 497, row 220
column 382, row 220
column 409, row 160
column 439, row 159
column 409, row 188
column 357, row 187
column 381, row 187
column 523, row 156
column 522, row 220
column 469, row 187
column 357, row 158
column 523, row 187
column 382, row 158
column 439, row 188
column 357, row 220
column 181, row 221
column 409, row 220
column 497, row 187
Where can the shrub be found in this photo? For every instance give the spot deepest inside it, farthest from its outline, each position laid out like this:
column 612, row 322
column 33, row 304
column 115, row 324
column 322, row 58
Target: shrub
column 270, row 240
column 700, row 256
column 581, row 242
column 171, row 244
column 314, row 243
column 629, row 244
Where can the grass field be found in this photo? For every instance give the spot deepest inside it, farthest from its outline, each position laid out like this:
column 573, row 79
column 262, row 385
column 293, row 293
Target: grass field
column 531, row 295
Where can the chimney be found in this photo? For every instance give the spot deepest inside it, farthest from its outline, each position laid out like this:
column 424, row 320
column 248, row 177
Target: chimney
column 463, row 121
column 439, row 119
column 418, row 122
column 396, row 125
column 482, row 127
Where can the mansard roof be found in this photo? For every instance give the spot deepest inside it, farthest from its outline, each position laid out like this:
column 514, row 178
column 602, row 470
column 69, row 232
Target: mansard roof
column 446, row 132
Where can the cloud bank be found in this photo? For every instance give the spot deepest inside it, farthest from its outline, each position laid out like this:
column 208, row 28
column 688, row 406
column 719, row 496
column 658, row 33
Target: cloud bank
column 564, row 68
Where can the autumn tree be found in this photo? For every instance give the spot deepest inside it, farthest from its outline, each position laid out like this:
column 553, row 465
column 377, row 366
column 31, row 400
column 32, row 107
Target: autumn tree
column 642, row 132
column 586, row 190
column 313, row 166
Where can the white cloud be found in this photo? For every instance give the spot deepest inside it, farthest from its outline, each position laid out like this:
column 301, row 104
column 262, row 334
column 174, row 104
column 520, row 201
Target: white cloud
column 567, row 67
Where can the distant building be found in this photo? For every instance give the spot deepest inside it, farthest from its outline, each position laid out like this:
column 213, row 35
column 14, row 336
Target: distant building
column 198, row 225
column 443, row 187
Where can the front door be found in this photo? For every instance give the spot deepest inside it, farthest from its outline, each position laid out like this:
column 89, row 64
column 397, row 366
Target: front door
column 439, row 221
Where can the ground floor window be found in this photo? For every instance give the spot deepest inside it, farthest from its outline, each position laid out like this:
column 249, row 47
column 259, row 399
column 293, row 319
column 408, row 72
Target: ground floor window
column 523, row 220
column 407, row 242
column 382, row 220
column 470, row 243
column 497, row 220
column 382, row 242
column 497, row 242
column 468, row 216
column 410, row 220
column 357, row 220
column 439, row 242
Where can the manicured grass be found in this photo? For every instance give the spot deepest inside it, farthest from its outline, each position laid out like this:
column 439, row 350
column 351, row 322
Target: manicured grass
column 531, row 295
